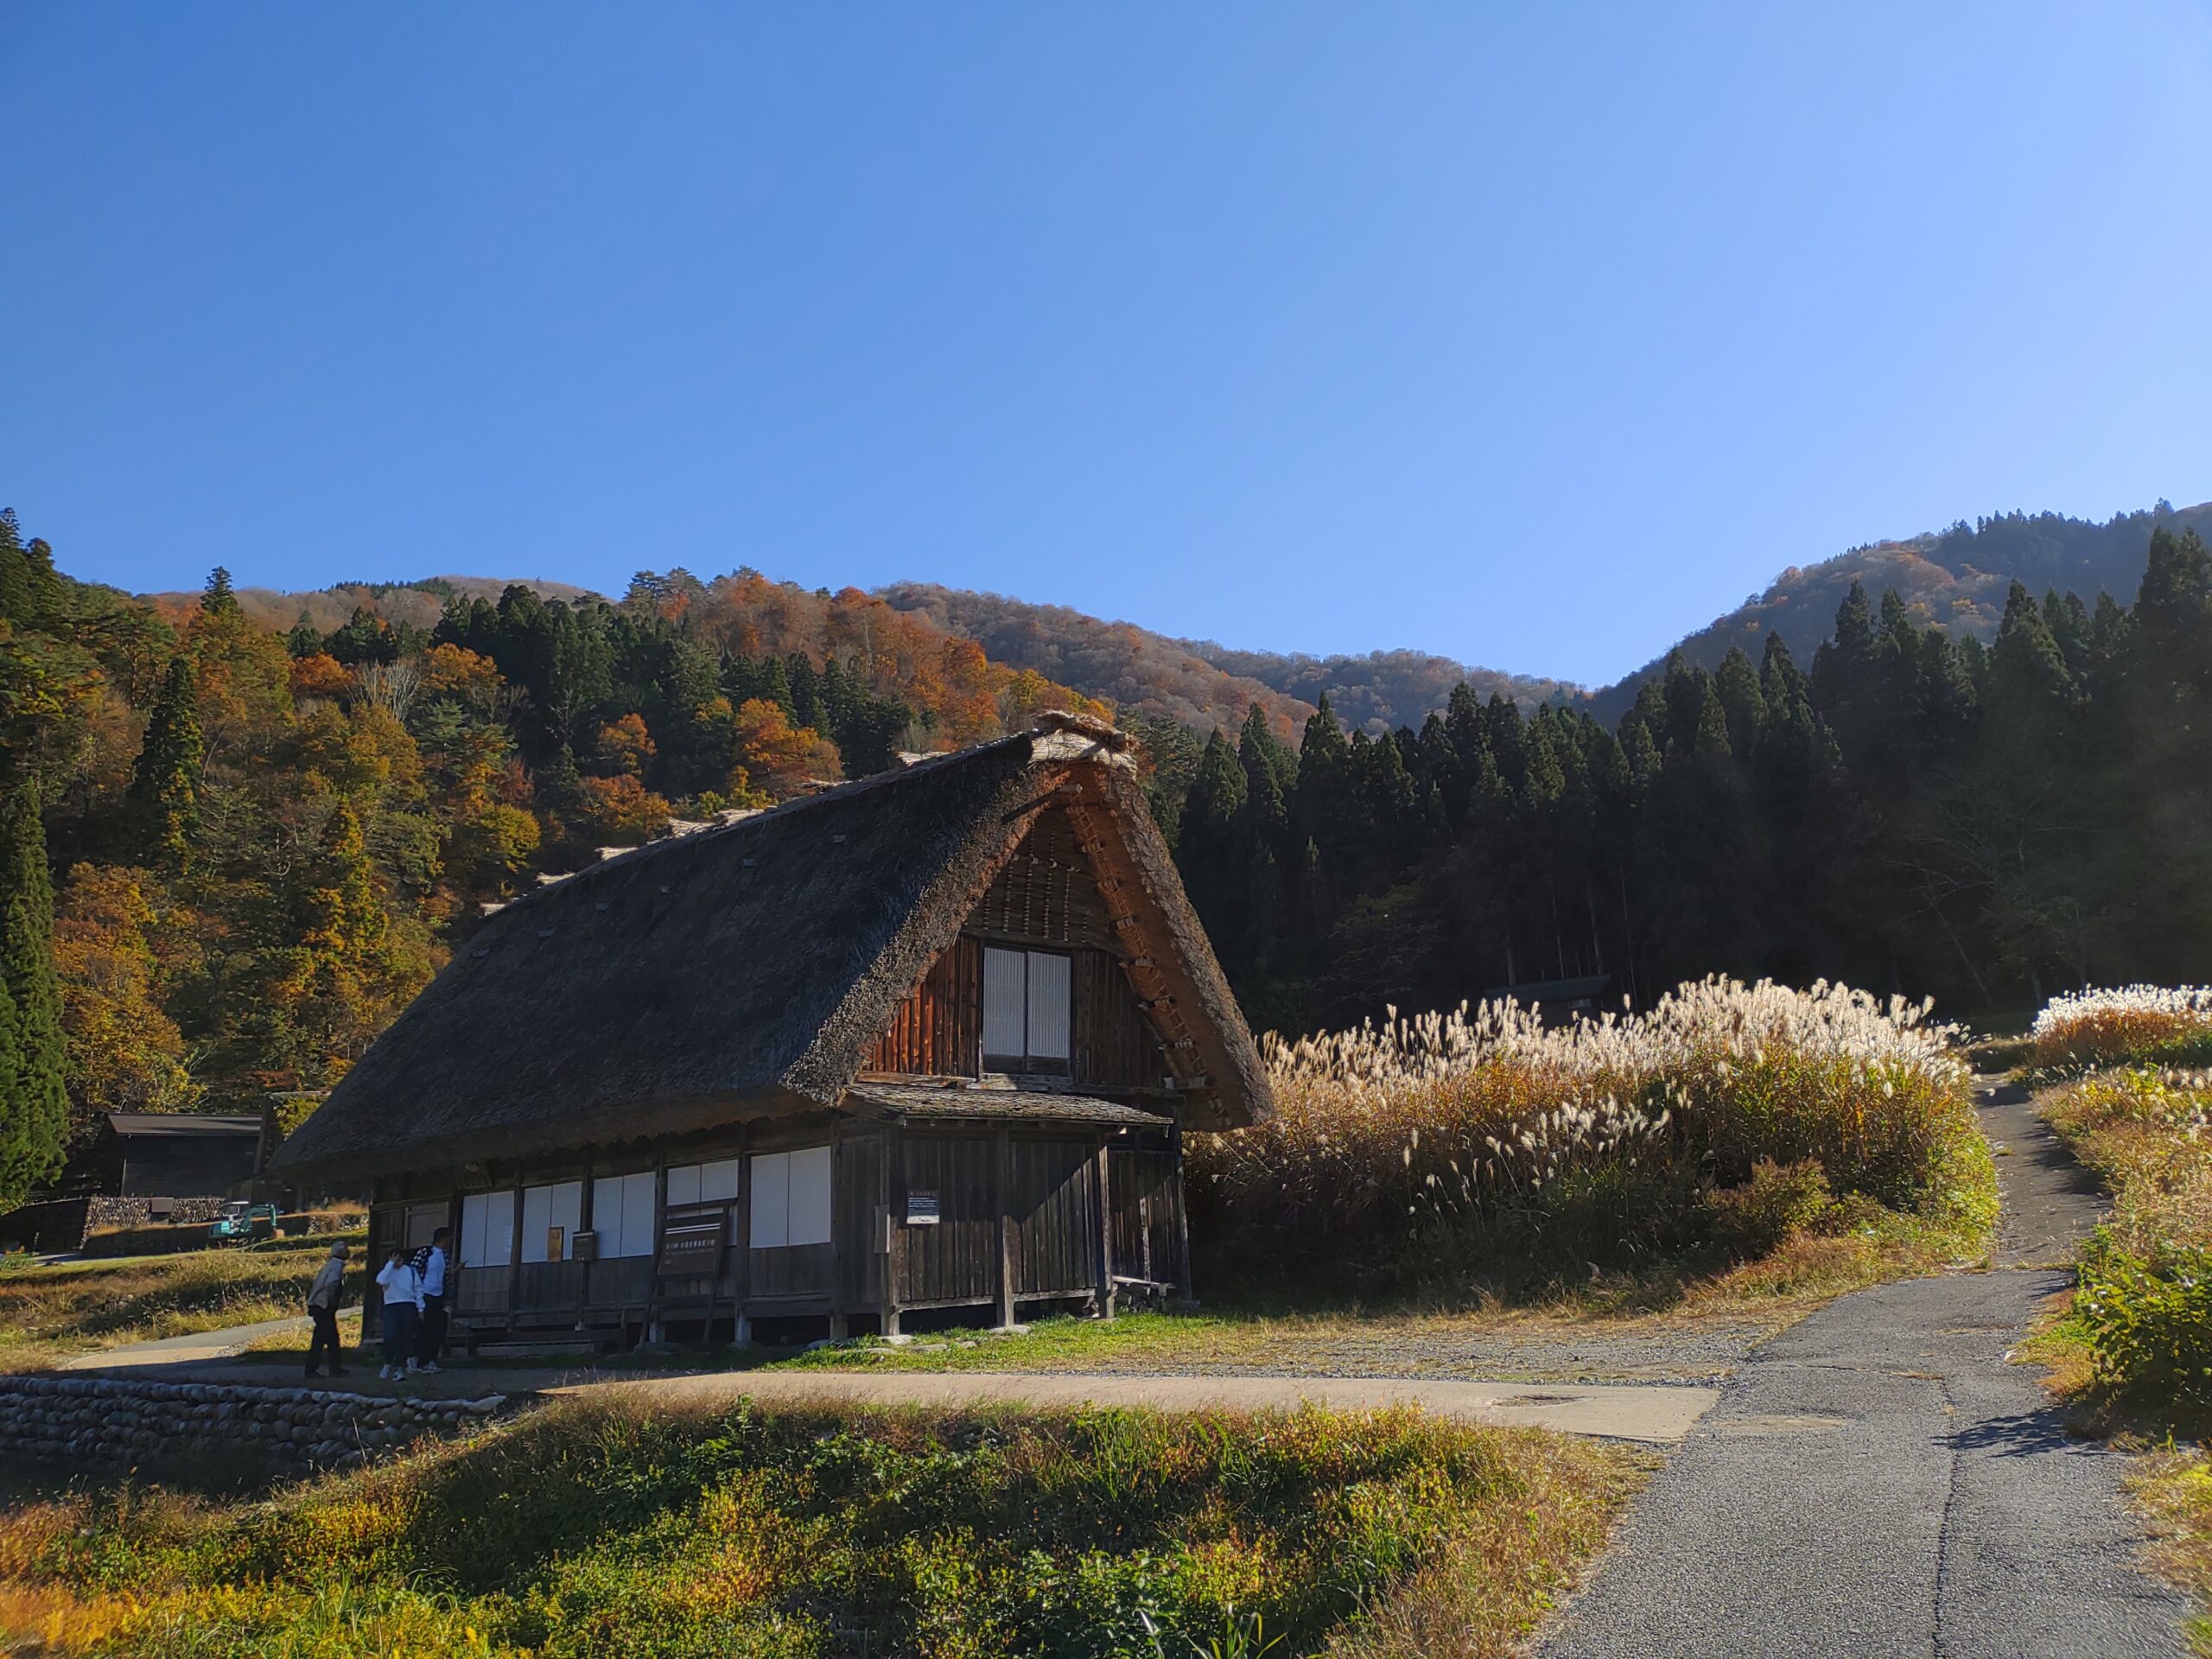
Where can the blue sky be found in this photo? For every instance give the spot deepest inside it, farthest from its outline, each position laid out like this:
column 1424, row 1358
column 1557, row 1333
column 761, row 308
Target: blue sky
column 1532, row 335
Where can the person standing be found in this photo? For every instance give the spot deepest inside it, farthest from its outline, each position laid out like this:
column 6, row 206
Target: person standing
column 325, row 1296
column 402, row 1311
column 432, row 1262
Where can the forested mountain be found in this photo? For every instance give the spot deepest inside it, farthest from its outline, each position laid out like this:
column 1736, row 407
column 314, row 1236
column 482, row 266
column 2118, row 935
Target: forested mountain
column 235, row 838
column 1911, row 810
column 1957, row 578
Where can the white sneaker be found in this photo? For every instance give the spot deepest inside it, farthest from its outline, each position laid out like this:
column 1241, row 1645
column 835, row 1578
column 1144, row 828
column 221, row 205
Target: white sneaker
column 429, row 1368
column 384, row 1373
column 413, row 1366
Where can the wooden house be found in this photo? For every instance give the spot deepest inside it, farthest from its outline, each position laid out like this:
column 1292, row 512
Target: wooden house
column 929, row 1041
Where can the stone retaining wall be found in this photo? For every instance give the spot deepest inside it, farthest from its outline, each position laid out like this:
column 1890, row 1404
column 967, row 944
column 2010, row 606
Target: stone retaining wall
column 109, row 1421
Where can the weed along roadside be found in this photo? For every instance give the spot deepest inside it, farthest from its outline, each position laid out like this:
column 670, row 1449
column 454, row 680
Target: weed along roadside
column 2120, row 1077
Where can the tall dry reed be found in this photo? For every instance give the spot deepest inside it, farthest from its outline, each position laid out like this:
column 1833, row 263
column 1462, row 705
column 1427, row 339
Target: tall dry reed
column 2125, row 1022
column 1485, row 1118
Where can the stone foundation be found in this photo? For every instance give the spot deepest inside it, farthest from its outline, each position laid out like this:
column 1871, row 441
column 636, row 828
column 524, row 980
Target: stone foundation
column 110, row 1422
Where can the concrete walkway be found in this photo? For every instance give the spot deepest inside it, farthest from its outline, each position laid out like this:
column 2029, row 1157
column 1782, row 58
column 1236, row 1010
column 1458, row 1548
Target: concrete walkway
column 195, row 1348
column 1880, row 1480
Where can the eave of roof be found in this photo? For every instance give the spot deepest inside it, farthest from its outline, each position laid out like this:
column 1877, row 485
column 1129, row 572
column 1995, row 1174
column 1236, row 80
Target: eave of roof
column 929, row 1102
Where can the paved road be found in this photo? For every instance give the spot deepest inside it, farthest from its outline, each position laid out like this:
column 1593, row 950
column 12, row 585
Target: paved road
column 1877, row 1480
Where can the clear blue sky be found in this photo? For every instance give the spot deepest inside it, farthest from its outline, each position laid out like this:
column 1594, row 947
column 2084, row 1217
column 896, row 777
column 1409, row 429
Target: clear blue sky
column 1534, row 336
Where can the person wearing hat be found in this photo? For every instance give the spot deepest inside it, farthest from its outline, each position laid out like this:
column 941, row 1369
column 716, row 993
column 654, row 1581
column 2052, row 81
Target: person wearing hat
column 324, row 1296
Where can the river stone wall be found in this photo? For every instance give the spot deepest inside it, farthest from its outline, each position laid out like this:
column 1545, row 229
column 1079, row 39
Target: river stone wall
column 109, row 1421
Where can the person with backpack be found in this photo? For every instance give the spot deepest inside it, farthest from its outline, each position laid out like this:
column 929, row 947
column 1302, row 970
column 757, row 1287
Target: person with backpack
column 432, row 1263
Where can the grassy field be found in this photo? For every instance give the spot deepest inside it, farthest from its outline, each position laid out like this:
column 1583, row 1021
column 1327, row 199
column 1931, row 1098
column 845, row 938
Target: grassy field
column 49, row 1313
column 587, row 1528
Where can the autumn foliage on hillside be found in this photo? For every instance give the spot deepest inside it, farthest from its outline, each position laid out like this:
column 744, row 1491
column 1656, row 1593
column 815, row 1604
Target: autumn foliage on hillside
column 259, row 845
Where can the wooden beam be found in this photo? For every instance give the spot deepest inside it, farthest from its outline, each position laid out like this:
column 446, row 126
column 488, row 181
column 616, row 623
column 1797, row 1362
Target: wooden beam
column 1002, row 1189
column 1105, row 1239
column 890, row 1189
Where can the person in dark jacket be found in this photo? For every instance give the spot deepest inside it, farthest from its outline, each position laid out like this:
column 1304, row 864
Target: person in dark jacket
column 325, row 1297
column 433, row 1265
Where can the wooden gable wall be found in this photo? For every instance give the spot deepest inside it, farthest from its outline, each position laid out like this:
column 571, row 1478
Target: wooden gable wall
column 1047, row 895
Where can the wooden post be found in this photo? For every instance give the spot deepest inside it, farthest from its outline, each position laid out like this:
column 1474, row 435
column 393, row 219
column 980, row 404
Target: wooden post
column 514, row 1254
column 891, row 1186
column 660, row 1228
column 1105, row 1252
column 741, row 1239
column 1182, row 1213
column 1002, row 1186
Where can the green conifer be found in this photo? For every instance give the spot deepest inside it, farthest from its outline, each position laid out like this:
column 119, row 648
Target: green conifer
column 34, row 1102
column 164, row 793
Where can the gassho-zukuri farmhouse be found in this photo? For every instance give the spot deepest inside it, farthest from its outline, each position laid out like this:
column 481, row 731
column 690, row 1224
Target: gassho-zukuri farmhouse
column 927, row 1042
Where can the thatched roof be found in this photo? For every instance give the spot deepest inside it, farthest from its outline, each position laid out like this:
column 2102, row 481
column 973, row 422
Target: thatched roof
column 750, row 968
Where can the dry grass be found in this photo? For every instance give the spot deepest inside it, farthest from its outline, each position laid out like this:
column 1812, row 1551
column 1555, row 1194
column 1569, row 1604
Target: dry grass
column 604, row 1528
column 2135, row 1022
column 1464, row 1148
column 49, row 1313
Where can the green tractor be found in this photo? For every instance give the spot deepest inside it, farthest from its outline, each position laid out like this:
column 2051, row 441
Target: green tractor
column 243, row 1224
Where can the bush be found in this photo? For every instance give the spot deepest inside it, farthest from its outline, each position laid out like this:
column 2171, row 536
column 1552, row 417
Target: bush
column 1426, row 1144
column 1748, row 1221
column 2150, row 1327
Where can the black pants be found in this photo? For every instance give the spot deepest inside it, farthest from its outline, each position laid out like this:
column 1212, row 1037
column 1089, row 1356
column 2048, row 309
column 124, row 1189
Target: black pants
column 322, row 1338
column 430, row 1335
column 398, row 1334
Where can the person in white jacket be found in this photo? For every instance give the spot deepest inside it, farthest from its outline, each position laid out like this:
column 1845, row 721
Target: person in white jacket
column 403, row 1307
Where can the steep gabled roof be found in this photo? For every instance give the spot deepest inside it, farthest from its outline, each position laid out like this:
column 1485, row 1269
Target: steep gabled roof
column 704, row 979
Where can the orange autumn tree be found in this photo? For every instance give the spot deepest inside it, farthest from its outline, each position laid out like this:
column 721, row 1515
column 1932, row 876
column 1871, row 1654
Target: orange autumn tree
column 777, row 756
column 111, row 933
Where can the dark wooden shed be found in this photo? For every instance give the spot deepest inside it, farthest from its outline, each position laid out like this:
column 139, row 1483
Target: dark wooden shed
column 931, row 1041
column 171, row 1154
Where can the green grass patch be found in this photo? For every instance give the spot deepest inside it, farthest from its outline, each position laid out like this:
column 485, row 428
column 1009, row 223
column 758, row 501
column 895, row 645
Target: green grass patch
column 598, row 1526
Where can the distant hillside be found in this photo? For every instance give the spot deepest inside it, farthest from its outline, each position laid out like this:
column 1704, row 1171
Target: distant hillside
column 1383, row 689
column 1139, row 672
column 1199, row 683
column 1956, row 577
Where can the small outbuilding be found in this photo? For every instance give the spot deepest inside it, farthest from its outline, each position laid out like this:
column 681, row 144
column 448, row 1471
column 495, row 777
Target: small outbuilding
column 929, row 1041
column 170, row 1155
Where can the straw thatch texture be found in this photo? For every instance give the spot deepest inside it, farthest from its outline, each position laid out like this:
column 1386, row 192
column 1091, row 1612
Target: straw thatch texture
column 701, row 979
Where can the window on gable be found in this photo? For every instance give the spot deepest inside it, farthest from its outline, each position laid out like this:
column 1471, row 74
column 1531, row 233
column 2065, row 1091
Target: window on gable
column 1028, row 1005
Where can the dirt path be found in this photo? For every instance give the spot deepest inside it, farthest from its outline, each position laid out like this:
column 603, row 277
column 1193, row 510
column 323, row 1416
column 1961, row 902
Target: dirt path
column 1880, row 1480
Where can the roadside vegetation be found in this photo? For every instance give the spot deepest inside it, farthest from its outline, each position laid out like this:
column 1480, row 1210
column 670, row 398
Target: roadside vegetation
column 2133, row 1350
column 1484, row 1154
column 49, row 1313
column 591, row 1528
column 2149, row 1024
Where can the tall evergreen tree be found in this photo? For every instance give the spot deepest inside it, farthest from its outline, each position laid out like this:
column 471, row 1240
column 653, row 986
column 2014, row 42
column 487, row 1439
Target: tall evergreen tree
column 164, row 793
column 34, row 1100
